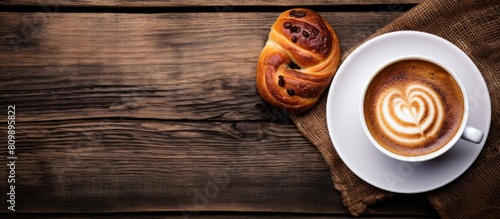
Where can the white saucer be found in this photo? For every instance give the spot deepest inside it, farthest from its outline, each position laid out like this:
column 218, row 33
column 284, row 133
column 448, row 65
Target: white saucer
column 353, row 146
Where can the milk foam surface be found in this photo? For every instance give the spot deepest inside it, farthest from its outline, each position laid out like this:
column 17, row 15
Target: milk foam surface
column 410, row 115
column 413, row 107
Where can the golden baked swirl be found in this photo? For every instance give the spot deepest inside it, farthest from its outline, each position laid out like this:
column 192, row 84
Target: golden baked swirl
column 298, row 61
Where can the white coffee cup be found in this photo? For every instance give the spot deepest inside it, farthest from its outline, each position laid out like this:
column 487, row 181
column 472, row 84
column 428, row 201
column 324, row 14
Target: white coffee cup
column 465, row 132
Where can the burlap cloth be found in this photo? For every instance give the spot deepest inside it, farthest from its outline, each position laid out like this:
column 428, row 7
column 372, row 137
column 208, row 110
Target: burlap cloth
column 474, row 26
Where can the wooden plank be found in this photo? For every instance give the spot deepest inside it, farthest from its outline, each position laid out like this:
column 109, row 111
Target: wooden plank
column 210, row 215
column 220, row 5
column 138, row 165
column 121, row 165
column 63, row 66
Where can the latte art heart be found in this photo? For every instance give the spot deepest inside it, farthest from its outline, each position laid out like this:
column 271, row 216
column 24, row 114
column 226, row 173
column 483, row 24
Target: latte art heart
column 411, row 115
column 413, row 107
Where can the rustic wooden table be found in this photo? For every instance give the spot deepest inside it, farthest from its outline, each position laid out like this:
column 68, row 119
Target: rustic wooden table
column 149, row 109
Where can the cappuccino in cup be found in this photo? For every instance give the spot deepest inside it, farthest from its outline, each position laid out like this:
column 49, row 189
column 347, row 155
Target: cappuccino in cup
column 414, row 109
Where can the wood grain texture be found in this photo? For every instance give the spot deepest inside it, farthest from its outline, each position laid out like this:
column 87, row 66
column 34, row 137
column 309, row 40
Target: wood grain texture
column 115, row 165
column 161, row 66
column 138, row 165
column 197, row 3
column 211, row 215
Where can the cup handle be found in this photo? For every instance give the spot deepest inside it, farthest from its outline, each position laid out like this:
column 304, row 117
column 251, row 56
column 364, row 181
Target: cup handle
column 472, row 134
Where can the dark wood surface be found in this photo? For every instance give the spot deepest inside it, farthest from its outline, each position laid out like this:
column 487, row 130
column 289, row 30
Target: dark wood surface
column 141, row 113
column 197, row 3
